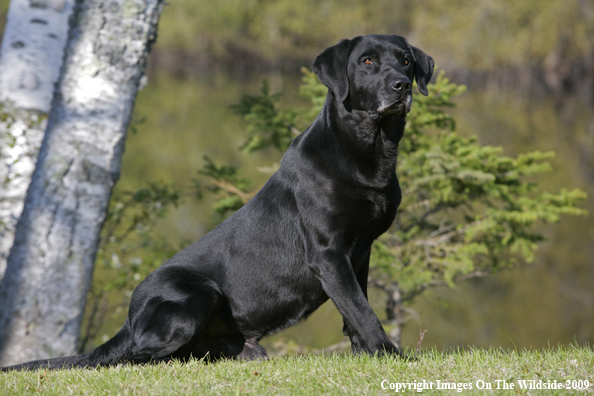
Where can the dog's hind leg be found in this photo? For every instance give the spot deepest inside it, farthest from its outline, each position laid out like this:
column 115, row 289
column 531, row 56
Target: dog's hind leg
column 170, row 328
column 252, row 350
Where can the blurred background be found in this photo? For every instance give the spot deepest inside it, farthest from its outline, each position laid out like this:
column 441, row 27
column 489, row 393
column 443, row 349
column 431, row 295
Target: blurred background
column 529, row 68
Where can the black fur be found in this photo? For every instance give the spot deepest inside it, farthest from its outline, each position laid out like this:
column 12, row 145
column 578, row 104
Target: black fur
column 304, row 238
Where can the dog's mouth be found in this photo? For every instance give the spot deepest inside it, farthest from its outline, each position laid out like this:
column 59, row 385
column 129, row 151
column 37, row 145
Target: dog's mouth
column 400, row 107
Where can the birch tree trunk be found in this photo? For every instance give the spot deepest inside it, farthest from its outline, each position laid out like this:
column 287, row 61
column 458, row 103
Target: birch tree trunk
column 50, row 265
column 30, row 62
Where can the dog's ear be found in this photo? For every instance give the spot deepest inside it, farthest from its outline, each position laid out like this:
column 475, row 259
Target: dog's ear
column 331, row 68
column 423, row 69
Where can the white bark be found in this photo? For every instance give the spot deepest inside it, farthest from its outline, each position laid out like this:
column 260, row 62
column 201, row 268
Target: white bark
column 32, row 51
column 50, row 266
column 30, row 62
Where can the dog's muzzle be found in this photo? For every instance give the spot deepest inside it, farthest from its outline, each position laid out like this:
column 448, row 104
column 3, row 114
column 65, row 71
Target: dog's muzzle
column 400, row 106
column 398, row 100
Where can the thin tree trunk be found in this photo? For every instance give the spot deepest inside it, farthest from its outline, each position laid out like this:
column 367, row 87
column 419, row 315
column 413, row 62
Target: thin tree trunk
column 395, row 312
column 49, row 268
column 30, row 62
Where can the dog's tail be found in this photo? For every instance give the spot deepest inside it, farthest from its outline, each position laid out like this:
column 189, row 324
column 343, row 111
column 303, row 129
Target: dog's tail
column 113, row 351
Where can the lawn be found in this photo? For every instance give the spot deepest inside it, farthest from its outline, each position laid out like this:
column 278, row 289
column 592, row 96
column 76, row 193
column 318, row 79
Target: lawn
column 461, row 371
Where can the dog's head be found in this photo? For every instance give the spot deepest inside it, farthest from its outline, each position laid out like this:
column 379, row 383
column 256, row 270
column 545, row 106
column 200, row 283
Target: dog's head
column 374, row 73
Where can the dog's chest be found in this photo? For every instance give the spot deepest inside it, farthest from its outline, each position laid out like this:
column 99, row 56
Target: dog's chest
column 381, row 213
column 369, row 214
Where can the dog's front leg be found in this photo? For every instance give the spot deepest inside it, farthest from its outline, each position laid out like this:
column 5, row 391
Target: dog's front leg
column 361, row 276
column 340, row 284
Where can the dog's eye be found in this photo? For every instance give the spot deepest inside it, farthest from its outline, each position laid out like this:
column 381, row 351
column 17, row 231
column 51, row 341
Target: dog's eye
column 368, row 61
column 405, row 62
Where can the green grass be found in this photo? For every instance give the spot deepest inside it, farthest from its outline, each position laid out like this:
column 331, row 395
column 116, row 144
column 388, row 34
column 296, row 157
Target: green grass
column 317, row 374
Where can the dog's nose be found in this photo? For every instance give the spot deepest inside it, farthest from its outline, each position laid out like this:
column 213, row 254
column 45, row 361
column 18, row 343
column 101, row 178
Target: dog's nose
column 400, row 84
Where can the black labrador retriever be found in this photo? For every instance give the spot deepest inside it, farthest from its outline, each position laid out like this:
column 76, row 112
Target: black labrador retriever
column 304, row 238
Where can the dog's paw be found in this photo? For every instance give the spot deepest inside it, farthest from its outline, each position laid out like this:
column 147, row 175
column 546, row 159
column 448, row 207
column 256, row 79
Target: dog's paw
column 389, row 349
column 392, row 350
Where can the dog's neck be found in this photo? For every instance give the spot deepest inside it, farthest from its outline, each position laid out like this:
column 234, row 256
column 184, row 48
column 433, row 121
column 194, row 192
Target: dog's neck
column 370, row 139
